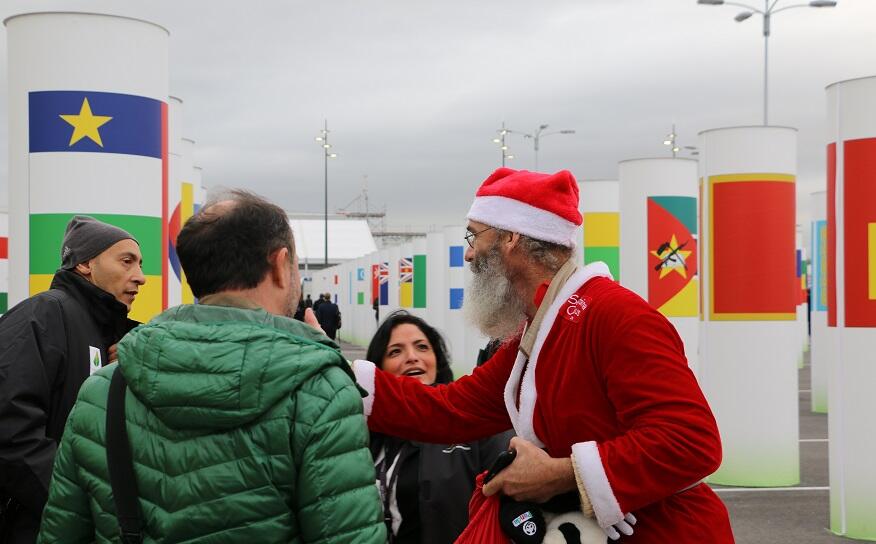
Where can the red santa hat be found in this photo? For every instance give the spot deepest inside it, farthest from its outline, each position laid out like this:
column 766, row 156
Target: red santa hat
column 541, row 206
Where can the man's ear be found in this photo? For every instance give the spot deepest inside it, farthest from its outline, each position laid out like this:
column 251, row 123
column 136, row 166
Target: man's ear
column 279, row 267
column 511, row 242
column 84, row 269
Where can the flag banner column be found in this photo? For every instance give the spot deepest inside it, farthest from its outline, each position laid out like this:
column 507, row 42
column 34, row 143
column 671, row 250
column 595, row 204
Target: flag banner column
column 823, row 347
column 420, row 276
column 4, row 262
column 749, row 339
column 455, row 326
column 851, row 286
column 436, row 272
column 802, row 309
column 404, row 274
column 78, row 116
column 599, row 206
column 659, row 238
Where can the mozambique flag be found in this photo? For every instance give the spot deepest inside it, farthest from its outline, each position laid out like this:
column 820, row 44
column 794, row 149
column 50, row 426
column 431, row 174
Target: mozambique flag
column 406, row 282
column 859, row 232
column 672, row 255
column 602, row 240
column 752, row 247
column 419, row 281
column 104, row 155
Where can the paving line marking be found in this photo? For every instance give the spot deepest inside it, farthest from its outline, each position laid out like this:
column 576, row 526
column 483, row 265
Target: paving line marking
column 814, row 440
column 768, row 489
column 805, row 391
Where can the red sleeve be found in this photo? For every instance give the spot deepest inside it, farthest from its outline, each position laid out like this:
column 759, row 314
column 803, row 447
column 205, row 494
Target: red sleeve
column 669, row 437
column 470, row 408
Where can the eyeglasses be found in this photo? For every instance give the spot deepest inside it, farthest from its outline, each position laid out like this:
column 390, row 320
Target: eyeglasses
column 470, row 236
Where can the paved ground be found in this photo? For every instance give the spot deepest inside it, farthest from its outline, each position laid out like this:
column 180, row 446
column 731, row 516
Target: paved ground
column 797, row 516
column 789, row 516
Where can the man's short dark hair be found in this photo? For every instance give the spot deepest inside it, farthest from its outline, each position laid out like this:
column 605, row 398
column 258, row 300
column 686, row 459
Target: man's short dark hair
column 227, row 246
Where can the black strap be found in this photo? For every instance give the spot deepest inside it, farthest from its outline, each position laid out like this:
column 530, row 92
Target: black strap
column 121, row 464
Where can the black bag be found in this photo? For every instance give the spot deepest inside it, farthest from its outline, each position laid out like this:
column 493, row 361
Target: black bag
column 121, row 465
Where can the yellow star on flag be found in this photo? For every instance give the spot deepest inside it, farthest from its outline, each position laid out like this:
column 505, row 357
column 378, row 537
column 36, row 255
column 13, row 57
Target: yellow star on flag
column 86, row 124
column 672, row 258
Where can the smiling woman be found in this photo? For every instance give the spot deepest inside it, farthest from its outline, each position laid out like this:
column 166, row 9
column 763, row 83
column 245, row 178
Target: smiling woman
column 425, row 488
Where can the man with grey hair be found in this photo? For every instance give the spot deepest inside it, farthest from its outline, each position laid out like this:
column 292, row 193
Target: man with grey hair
column 593, row 380
column 49, row 344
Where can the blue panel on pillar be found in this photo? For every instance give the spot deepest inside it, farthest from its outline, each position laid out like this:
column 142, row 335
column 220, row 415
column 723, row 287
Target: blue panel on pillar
column 456, row 294
column 457, row 259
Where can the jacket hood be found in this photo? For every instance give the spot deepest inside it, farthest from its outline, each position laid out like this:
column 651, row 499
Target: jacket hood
column 204, row 367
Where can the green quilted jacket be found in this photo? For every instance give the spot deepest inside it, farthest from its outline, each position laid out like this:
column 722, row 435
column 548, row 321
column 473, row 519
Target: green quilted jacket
column 245, row 427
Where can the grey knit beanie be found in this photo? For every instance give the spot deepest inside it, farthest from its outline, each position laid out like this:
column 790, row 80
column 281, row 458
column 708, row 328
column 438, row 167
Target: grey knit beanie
column 86, row 238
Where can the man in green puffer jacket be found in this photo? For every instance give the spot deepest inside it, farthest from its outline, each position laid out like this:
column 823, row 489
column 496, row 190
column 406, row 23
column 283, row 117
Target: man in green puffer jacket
column 245, row 425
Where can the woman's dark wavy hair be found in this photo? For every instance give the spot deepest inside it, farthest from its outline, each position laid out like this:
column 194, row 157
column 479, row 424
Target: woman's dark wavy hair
column 380, row 341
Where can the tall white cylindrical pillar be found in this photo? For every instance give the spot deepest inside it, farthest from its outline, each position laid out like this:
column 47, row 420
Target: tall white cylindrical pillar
column 749, row 340
column 436, row 280
column 87, row 135
column 658, row 240
column 454, row 323
column 598, row 201
column 851, row 235
column 823, row 348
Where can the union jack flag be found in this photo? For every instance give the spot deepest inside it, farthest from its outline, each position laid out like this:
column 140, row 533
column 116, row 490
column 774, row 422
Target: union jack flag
column 406, row 270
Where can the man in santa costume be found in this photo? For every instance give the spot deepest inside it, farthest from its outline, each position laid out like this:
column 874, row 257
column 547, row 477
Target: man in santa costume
column 593, row 380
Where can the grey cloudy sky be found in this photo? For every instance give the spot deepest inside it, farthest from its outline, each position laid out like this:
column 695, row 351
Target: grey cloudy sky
column 413, row 91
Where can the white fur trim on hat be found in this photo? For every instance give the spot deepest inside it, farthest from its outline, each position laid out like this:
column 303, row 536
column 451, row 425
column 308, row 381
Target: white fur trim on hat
column 364, row 371
column 516, row 216
column 592, row 474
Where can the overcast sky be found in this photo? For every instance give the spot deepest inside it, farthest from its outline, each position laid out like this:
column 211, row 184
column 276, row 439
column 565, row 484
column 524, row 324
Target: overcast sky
column 414, row 91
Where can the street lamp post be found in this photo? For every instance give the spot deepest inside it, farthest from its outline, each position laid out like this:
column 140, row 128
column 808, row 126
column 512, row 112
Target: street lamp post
column 503, row 147
column 671, row 141
column 768, row 11
column 536, row 136
column 326, row 146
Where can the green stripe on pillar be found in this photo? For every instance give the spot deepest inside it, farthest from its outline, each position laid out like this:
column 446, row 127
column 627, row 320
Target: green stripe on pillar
column 47, row 233
column 419, row 281
column 4, row 302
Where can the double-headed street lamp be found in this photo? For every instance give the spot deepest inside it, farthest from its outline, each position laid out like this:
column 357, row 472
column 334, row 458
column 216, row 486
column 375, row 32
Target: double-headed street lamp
column 326, row 146
column 769, row 9
column 540, row 133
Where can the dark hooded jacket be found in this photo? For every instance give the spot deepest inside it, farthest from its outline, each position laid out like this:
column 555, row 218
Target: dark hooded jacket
column 434, row 481
column 49, row 344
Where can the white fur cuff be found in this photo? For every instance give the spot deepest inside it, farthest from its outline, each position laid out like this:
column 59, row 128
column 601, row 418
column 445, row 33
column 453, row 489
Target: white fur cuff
column 589, row 469
column 364, row 371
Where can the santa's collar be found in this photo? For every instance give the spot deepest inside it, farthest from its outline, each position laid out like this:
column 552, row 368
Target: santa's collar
column 522, row 417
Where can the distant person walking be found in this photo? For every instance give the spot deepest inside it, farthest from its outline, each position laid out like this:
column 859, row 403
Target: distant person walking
column 329, row 316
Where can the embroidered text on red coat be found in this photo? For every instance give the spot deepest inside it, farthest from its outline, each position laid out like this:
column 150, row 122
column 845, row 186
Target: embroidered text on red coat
column 574, row 308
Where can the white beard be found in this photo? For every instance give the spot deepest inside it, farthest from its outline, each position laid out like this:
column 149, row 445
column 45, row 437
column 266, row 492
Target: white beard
column 490, row 303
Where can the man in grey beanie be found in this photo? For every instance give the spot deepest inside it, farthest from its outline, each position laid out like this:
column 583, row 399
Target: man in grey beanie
column 49, row 344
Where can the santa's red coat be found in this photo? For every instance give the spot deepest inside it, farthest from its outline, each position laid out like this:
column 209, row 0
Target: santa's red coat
column 607, row 382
